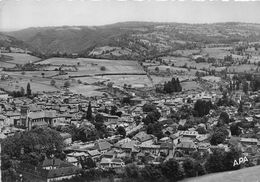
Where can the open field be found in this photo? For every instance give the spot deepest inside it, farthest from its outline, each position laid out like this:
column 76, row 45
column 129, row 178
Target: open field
column 191, row 85
column 176, row 70
column 187, row 53
column 133, row 80
column 242, row 68
column 86, row 90
column 250, row 174
column 88, row 66
column 211, row 78
column 36, row 86
column 19, row 58
column 6, row 65
column 179, row 62
column 216, row 52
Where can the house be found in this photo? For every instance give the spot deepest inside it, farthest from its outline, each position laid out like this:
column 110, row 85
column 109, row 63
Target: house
column 74, row 160
column 51, row 163
column 111, row 163
column 94, row 154
column 188, row 134
column 109, row 118
column 143, row 137
column 3, row 95
column 103, row 146
column 187, row 146
column 249, row 141
column 43, row 118
column 67, row 139
column 149, row 148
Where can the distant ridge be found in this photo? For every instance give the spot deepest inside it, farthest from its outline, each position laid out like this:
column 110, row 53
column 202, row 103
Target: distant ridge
column 139, row 38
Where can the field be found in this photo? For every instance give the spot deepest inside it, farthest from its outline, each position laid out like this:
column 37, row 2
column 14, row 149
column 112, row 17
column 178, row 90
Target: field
column 250, row 174
column 218, row 52
column 212, row 78
column 190, row 86
column 19, row 58
column 86, row 90
column 180, row 61
column 242, row 68
column 36, row 86
column 88, row 66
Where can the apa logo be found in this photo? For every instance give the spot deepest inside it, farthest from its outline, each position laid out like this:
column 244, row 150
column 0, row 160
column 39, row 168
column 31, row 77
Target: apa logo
column 241, row 160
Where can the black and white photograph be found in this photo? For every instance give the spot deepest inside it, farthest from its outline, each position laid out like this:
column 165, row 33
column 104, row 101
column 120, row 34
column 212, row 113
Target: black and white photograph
column 129, row 91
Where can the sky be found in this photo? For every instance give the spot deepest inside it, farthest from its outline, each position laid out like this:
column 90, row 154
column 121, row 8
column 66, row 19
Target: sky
column 19, row 14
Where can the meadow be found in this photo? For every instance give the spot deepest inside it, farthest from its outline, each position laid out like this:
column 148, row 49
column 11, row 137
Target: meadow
column 19, row 58
column 88, row 66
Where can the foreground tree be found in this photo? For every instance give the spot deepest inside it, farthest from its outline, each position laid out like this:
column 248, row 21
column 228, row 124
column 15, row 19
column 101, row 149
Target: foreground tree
column 172, row 170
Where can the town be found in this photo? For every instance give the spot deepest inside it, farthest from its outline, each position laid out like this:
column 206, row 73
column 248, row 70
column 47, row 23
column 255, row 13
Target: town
column 186, row 114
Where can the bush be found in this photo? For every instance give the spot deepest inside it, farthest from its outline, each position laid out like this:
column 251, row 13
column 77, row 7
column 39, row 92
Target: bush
column 103, row 68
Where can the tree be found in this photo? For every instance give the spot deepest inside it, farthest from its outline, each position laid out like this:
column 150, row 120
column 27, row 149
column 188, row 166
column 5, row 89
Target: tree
column 151, row 173
column 149, row 107
column 88, row 163
column 31, row 146
column 172, row 170
column 224, row 117
column 230, row 156
column 215, row 161
column 99, row 118
column 121, row 131
column 240, row 108
column 156, row 69
column 152, row 117
column 201, row 130
column 113, row 110
column 155, row 129
column 132, row 171
column 235, row 130
column 89, row 112
column 245, row 87
column 103, row 68
column 189, row 167
column 53, row 82
column 202, row 107
column 217, row 138
column 66, row 84
column 22, row 91
column 29, row 91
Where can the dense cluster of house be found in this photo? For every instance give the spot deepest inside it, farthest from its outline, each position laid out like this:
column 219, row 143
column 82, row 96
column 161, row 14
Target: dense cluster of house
column 66, row 108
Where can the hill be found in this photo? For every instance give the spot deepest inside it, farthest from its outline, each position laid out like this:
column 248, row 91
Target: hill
column 132, row 40
column 9, row 41
column 250, row 174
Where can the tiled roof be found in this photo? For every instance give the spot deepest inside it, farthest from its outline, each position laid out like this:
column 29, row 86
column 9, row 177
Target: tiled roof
column 103, row 145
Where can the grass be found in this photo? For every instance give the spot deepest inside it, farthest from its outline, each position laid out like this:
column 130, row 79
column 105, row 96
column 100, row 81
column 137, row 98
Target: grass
column 86, row 90
column 93, row 66
column 216, row 52
column 250, row 174
column 242, row 68
column 19, row 58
